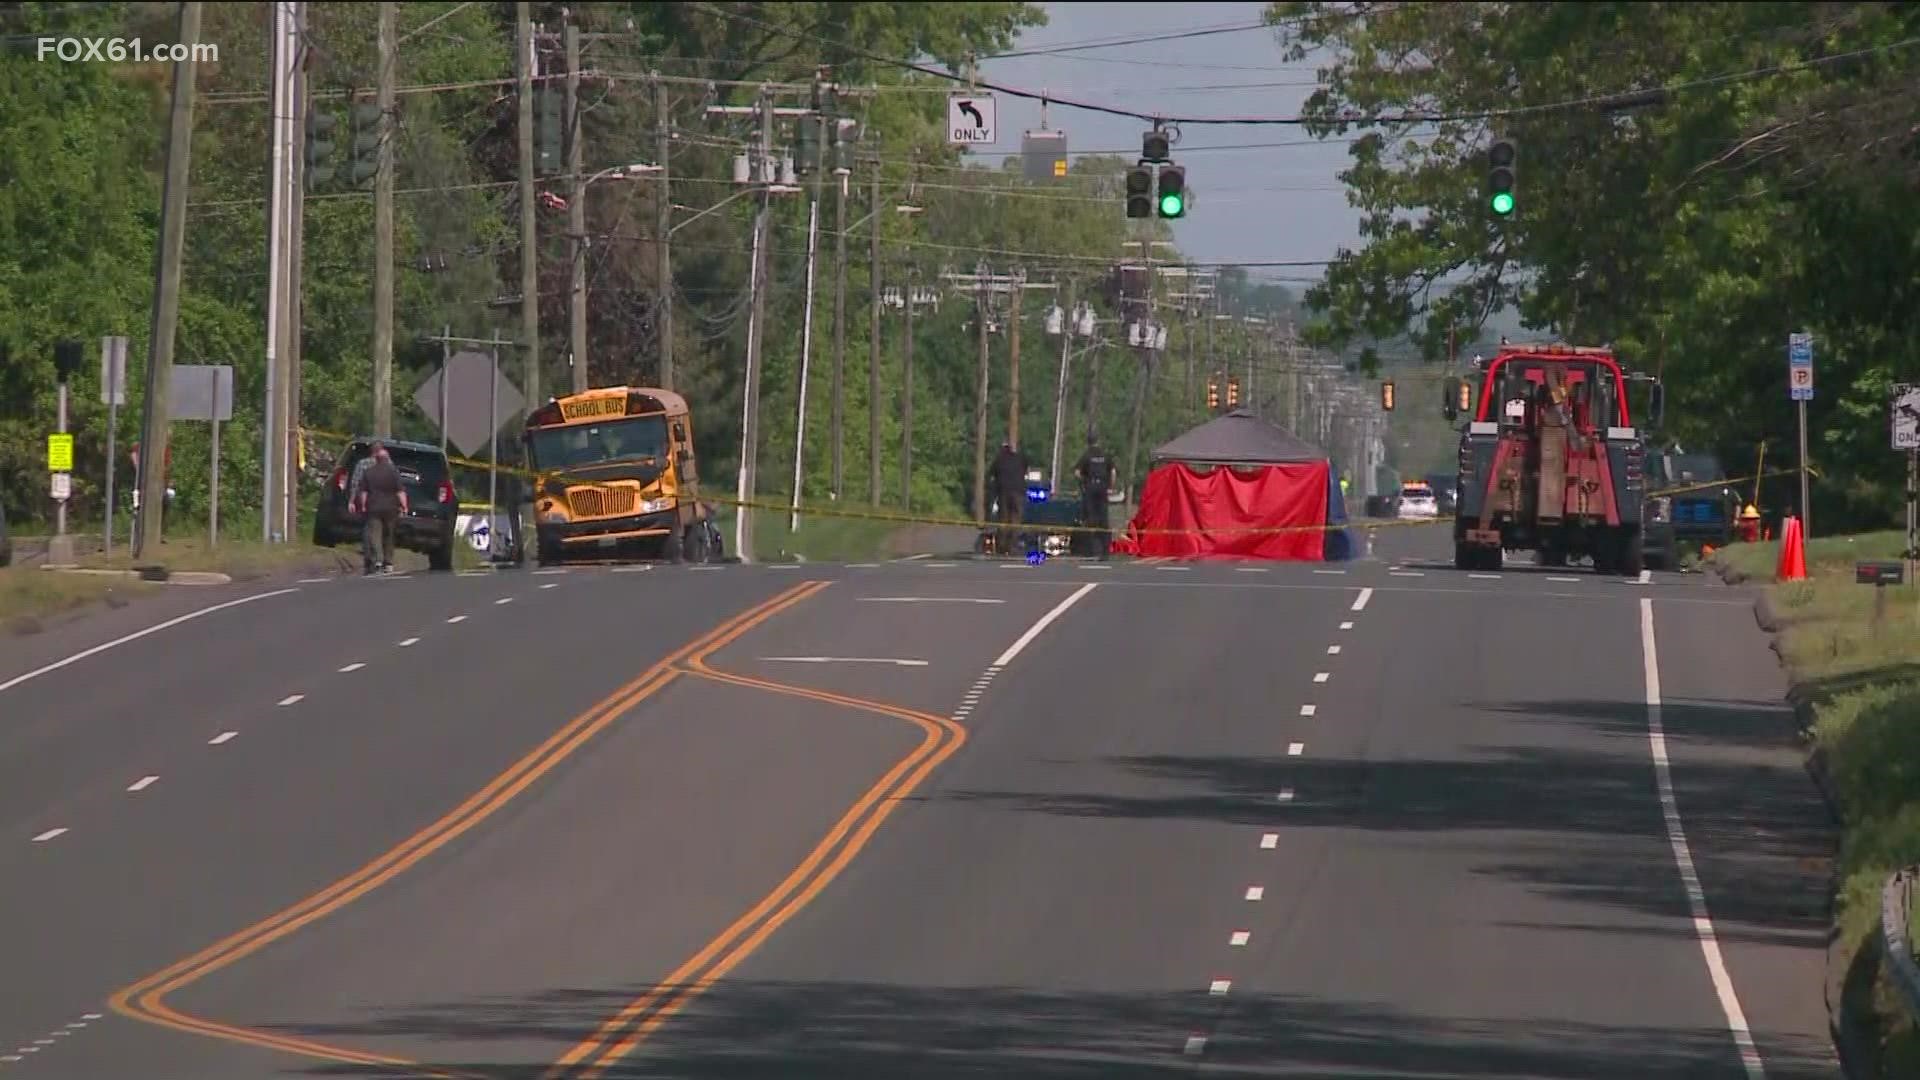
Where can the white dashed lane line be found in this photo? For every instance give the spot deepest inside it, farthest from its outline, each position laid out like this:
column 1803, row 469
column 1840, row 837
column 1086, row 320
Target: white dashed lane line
column 1322, row 676
column 1240, row 938
column 1295, row 749
column 456, row 619
column 1360, row 602
column 1575, row 580
column 407, row 643
column 503, row 600
column 1219, row 987
column 1346, row 626
column 1333, row 650
column 1286, row 793
column 49, row 1039
column 1255, row 892
column 1196, row 1044
column 551, row 585
column 292, row 699
column 351, row 668
column 1309, row 710
column 50, row 834
column 223, row 737
column 143, row 783
column 1269, row 841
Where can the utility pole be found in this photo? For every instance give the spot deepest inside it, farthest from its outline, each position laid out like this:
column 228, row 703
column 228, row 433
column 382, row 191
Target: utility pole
column 529, row 238
column 873, row 357
column 662, row 232
column 166, row 289
column 841, row 178
column 906, row 397
column 279, row 192
column 981, row 312
column 762, row 173
column 576, row 215
column 806, row 356
column 383, row 233
column 290, row 365
column 1060, row 388
column 1013, row 368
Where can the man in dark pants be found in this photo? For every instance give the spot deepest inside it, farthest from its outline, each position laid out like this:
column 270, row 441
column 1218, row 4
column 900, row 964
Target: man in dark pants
column 1010, row 487
column 381, row 496
column 1095, row 471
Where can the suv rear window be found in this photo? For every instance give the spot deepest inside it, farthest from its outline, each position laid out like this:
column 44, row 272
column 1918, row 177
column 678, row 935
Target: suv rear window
column 428, row 464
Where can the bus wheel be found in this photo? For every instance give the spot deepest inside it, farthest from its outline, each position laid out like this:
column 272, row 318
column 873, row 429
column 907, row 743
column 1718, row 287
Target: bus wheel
column 698, row 546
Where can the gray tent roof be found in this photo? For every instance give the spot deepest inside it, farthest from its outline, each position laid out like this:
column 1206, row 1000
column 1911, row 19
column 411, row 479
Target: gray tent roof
column 1236, row 438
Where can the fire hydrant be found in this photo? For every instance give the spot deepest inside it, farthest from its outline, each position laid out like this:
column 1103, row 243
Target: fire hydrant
column 1746, row 528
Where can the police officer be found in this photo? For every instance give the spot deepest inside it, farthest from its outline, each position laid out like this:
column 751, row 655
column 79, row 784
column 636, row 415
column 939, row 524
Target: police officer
column 1095, row 470
column 1009, row 491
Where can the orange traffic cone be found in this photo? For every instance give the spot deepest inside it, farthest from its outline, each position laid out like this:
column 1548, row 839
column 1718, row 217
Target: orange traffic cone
column 1793, row 552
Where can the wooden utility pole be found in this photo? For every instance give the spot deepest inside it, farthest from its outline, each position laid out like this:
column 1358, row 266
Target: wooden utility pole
column 873, row 351
column 529, row 236
column 1013, row 367
column 842, row 178
column 663, row 233
column 166, row 290
column 383, row 232
column 981, row 311
column 763, row 169
column 906, row 400
column 576, row 216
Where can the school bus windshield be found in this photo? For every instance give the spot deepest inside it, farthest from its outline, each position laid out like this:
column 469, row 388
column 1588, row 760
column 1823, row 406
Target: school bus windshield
column 575, row 445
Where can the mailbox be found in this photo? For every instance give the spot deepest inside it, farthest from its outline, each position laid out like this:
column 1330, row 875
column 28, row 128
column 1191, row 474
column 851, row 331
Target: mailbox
column 1880, row 573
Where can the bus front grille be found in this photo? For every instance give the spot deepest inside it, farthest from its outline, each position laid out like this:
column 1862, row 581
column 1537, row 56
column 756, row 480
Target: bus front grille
column 603, row 502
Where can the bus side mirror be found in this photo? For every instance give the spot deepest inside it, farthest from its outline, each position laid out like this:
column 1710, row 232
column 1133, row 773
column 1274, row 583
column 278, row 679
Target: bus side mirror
column 679, row 432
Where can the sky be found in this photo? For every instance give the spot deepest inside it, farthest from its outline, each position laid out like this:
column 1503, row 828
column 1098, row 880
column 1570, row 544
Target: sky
column 1264, row 203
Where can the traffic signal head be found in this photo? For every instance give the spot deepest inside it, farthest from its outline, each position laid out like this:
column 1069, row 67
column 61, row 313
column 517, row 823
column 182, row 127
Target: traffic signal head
column 549, row 138
column 1502, row 163
column 1155, row 147
column 366, row 143
column 1172, row 200
column 1233, row 391
column 1140, row 192
column 1213, row 395
column 1386, row 395
column 320, row 127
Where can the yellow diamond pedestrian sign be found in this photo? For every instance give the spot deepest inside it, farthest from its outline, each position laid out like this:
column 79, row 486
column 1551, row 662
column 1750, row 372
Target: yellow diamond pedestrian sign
column 60, row 453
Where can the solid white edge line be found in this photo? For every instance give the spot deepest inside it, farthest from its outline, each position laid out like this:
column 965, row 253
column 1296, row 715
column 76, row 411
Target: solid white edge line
column 846, row 660
column 1046, row 620
column 143, row 783
column 137, row 635
column 1683, row 855
column 1360, row 602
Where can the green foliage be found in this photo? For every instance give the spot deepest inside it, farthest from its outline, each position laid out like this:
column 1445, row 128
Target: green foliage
column 1689, row 217
column 81, row 154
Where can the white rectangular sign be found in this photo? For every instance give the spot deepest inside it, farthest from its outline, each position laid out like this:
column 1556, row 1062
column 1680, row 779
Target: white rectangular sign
column 62, row 486
column 1906, row 417
column 971, row 120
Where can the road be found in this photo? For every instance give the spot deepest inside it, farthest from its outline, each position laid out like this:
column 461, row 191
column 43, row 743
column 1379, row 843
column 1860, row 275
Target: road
column 931, row 817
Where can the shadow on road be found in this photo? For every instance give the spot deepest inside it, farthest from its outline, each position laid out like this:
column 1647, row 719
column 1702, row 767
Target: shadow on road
column 844, row 1031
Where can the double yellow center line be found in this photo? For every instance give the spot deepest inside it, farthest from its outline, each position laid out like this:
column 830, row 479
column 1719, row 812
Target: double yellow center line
column 622, row 1033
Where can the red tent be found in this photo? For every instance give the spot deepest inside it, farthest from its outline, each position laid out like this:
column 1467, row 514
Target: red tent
column 1237, row 487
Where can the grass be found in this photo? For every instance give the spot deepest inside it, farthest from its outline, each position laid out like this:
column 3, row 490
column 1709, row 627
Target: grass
column 1862, row 679
column 819, row 539
column 29, row 595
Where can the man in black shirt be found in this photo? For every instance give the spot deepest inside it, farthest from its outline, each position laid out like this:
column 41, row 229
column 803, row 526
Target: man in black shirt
column 380, row 495
column 1095, row 470
column 1010, row 490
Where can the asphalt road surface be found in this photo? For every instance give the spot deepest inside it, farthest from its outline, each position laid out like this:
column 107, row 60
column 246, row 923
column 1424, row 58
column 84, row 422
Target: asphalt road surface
column 925, row 818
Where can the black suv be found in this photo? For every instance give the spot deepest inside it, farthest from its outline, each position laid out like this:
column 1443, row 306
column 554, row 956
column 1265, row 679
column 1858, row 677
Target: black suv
column 1702, row 512
column 428, row 524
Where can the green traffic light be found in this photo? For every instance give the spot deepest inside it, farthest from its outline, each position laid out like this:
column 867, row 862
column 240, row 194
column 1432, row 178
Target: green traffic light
column 1171, row 205
column 1503, row 204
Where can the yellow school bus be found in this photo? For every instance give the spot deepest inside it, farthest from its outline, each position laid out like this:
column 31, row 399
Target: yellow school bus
column 613, row 471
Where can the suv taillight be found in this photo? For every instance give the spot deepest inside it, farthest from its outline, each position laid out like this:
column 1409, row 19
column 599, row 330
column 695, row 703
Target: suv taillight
column 446, row 491
column 340, row 479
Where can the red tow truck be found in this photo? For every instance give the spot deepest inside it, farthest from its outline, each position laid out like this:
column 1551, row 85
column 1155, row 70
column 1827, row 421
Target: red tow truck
column 1550, row 460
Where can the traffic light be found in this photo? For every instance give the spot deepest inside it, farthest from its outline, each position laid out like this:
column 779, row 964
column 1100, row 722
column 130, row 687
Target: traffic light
column 1140, row 192
column 1502, row 165
column 1213, row 394
column 320, row 127
column 1386, row 395
column 549, row 132
column 1233, row 391
column 806, row 145
column 1172, row 200
column 364, row 160
column 1155, row 147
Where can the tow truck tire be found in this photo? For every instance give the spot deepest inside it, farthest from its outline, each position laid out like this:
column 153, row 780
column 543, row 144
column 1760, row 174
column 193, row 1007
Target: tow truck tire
column 1633, row 558
column 1465, row 556
column 1494, row 558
